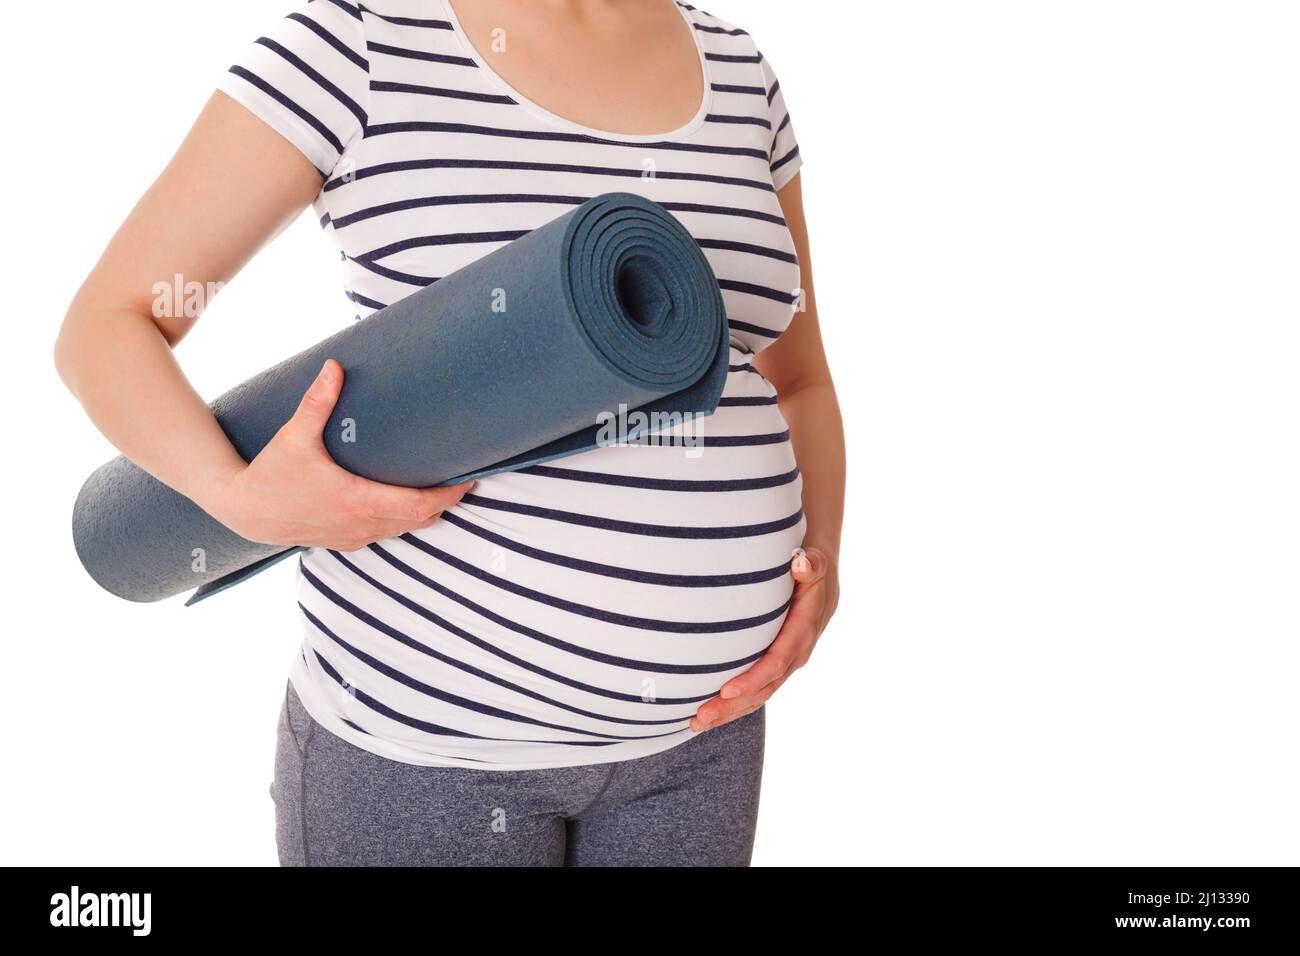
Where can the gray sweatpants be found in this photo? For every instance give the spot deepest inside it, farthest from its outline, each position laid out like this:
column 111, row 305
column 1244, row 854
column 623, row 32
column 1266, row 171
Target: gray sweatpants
column 338, row 805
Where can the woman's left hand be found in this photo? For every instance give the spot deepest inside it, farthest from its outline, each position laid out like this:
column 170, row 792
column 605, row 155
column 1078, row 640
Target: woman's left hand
column 816, row 593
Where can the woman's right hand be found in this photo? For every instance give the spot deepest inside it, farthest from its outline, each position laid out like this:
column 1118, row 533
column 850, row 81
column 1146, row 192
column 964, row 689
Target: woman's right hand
column 293, row 493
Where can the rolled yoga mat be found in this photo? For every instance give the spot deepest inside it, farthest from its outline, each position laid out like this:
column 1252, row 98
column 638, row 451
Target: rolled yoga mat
column 508, row 362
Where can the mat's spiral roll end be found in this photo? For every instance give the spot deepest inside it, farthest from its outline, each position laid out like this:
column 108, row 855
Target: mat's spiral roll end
column 628, row 256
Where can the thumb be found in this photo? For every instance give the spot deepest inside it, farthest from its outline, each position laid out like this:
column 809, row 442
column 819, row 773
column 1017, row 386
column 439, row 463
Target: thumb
column 317, row 404
column 808, row 565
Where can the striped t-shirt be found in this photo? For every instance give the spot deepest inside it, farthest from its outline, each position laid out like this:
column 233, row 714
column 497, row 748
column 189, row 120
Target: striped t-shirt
column 581, row 611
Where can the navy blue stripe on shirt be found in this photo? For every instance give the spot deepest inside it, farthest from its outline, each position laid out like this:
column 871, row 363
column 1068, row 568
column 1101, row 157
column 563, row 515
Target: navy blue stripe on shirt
column 350, row 9
column 739, row 120
column 316, row 77
column 666, row 484
column 386, row 86
column 794, row 151
column 612, row 571
column 347, row 52
column 424, row 202
column 449, row 239
column 303, row 114
column 424, row 55
column 636, row 527
column 736, row 32
column 752, row 288
column 748, row 247
column 735, row 88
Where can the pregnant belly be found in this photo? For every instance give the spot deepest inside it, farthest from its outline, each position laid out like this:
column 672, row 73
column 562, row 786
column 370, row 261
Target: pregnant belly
column 609, row 593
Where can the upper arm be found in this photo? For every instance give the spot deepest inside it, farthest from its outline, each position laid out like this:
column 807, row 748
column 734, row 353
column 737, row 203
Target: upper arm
column 256, row 157
column 231, row 187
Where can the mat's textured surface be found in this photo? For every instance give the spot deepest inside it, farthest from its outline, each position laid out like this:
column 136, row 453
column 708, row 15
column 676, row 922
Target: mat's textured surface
column 507, row 362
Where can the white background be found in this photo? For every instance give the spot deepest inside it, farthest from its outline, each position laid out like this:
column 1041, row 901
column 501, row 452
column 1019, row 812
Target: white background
column 1056, row 247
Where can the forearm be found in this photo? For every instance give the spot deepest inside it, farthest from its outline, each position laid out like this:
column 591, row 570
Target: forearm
column 121, row 368
column 817, row 434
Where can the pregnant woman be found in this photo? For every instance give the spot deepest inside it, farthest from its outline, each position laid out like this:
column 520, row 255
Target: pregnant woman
column 564, row 665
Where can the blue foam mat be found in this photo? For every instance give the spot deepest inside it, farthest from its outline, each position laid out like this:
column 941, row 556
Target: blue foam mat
column 506, row 363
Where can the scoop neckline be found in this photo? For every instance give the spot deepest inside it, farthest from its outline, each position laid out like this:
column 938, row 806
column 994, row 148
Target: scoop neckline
column 555, row 119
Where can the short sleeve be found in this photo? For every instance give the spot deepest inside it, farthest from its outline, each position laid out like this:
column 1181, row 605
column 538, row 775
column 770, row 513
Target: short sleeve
column 783, row 155
column 309, row 80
